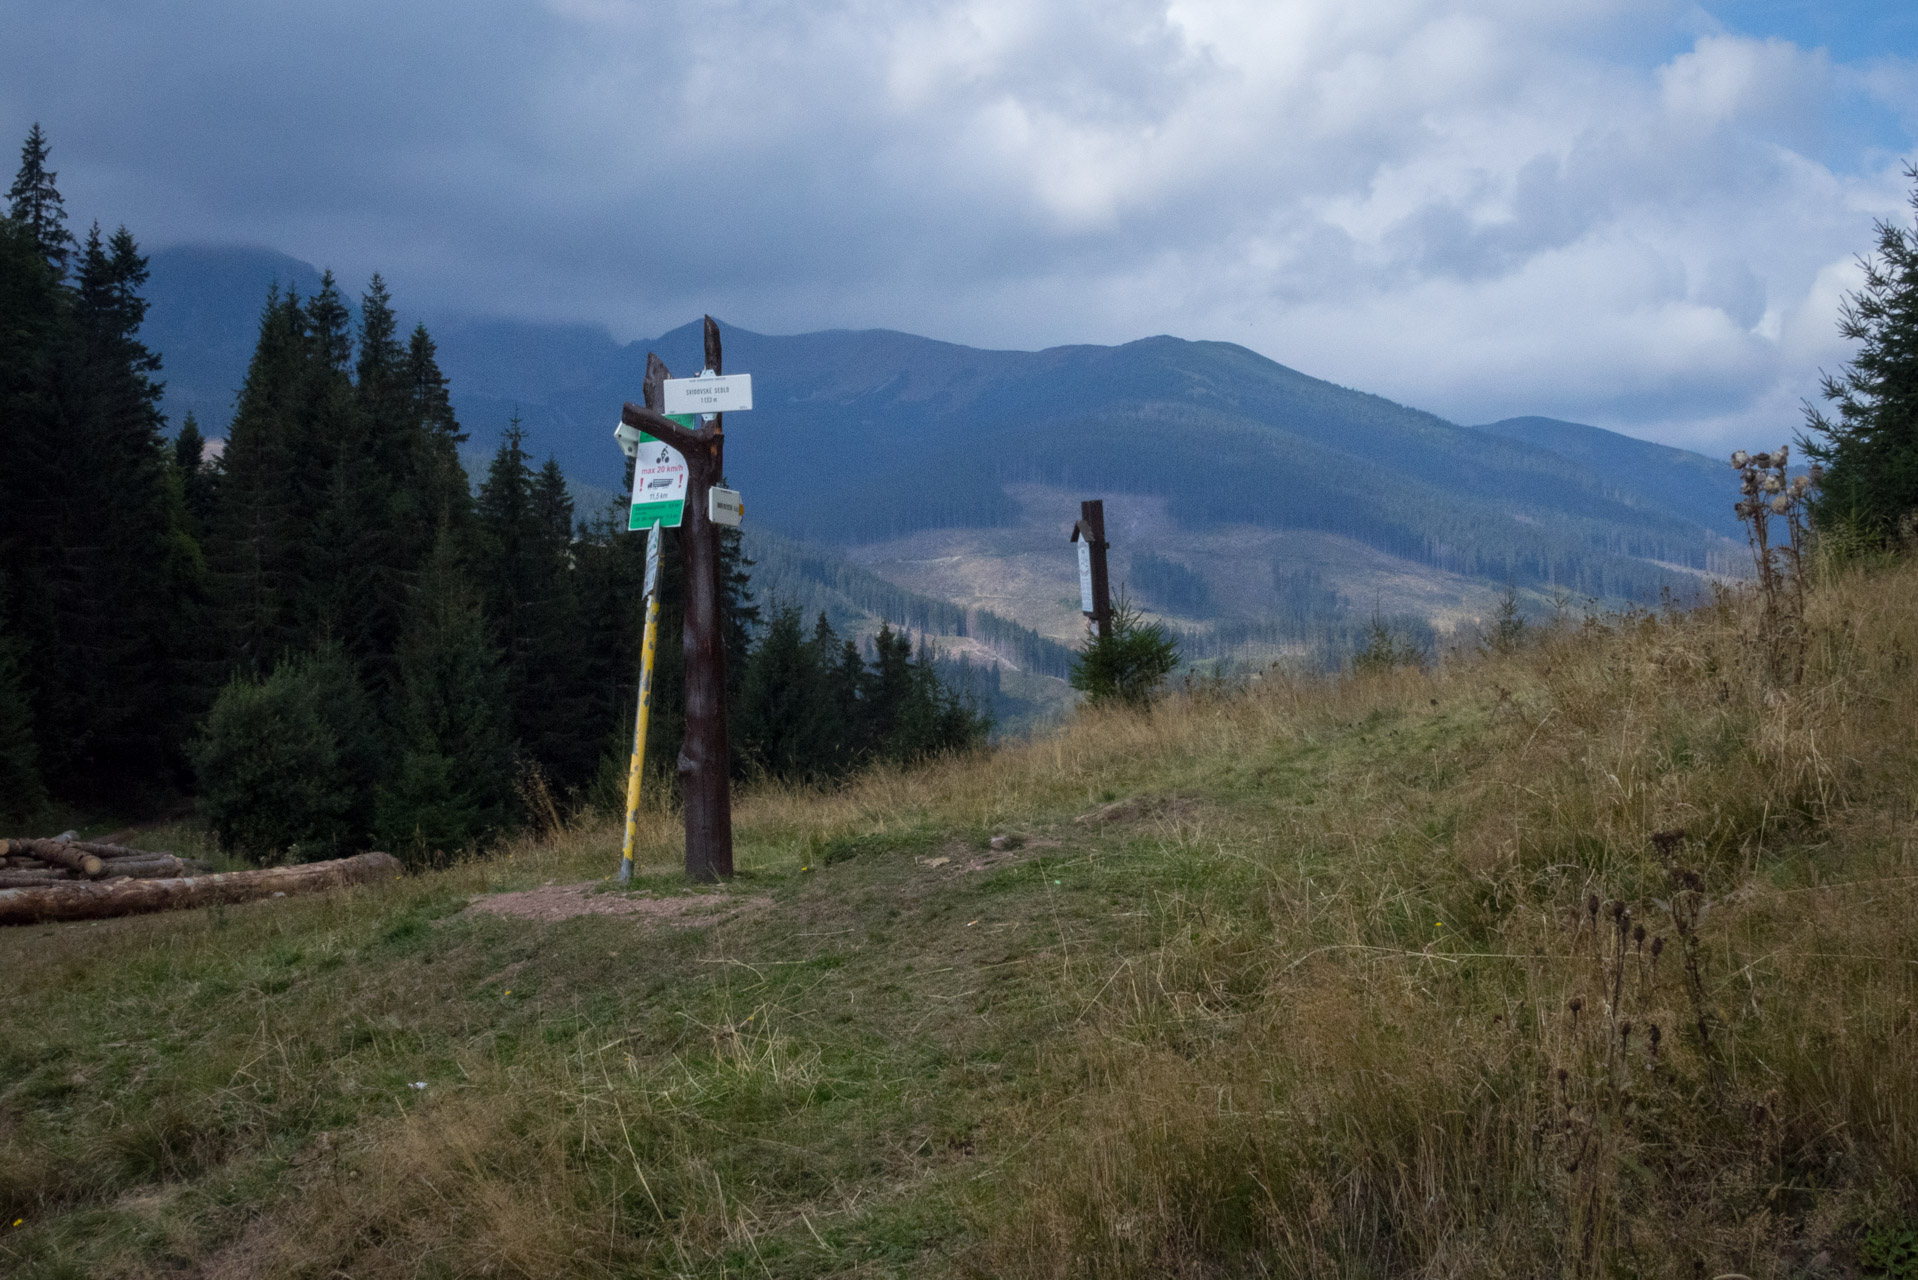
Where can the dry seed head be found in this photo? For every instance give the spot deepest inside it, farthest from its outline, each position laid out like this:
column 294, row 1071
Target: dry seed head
column 1591, row 906
column 1781, row 455
column 1638, row 936
column 1656, row 1035
column 1658, row 945
column 1740, row 458
column 1625, row 1030
column 1773, row 484
column 1781, row 504
column 1575, row 1004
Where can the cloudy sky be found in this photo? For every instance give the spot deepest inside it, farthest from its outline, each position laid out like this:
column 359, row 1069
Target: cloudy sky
column 1637, row 213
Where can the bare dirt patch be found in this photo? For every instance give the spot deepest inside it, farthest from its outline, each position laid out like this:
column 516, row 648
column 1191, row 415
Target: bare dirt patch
column 555, row 902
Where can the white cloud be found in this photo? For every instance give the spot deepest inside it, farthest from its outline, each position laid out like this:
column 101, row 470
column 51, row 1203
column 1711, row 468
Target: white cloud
column 1610, row 210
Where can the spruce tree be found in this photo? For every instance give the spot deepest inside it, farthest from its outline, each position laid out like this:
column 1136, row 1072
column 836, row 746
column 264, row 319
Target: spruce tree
column 1870, row 453
column 120, row 571
column 196, row 474
column 453, row 786
column 841, row 672
column 784, row 722
column 442, row 479
column 287, row 764
column 35, row 203
column 885, row 689
column 344, row 552
column 33, row 316
column 523, row 526
column 266, row 496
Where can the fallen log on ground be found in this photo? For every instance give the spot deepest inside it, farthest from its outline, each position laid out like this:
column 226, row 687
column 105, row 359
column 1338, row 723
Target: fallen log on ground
column 162, row 866
column 61, row 854
column 98, row 900
column 47, row 875
column 90, row 860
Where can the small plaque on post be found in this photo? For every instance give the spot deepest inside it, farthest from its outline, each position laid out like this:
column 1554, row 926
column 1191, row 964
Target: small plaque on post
column 725, row 507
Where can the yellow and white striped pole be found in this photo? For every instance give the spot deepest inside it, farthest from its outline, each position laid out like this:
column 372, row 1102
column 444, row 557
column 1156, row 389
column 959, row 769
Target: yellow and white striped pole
column 644, row 714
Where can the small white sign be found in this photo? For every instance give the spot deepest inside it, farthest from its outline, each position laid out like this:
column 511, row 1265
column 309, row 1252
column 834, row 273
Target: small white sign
column 725, row 506
column 709, row 393
column 656, row 536
column 1085, row 575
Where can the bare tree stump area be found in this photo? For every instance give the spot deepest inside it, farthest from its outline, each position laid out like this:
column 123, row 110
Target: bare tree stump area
column 68, row 879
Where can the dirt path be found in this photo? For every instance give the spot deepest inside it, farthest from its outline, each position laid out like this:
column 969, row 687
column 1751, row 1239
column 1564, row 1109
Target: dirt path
column 555, row 902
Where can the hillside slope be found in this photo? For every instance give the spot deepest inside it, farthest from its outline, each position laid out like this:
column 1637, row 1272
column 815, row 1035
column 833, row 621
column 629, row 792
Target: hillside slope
column 1647, row 474
column 1325, row 978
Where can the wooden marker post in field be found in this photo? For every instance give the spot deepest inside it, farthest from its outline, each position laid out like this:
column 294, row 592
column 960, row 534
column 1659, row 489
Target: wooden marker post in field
column 1095, row 594
column 705, row 758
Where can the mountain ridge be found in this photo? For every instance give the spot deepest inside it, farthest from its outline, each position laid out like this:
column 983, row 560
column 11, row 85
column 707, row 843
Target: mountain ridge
column 864, row 435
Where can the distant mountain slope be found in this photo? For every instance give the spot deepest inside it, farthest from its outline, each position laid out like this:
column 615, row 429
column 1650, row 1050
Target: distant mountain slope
column 1655, row 476
column 204, row 320
column 868, row 435
column 787, row 572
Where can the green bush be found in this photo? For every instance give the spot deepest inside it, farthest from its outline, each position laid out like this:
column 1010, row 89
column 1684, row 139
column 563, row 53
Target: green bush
column 286, row 764
column 1130, row 664
column 1384, row 648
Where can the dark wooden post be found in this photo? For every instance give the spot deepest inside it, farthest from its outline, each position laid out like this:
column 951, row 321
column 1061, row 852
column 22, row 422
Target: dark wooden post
column 705, row 758
column 1091, row 527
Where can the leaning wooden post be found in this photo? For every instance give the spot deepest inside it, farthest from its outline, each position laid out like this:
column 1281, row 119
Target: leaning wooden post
column 705, row 757
column 642, row 717
column 1095, row 593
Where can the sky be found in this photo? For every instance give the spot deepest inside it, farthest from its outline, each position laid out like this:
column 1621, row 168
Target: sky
column 1641, row 214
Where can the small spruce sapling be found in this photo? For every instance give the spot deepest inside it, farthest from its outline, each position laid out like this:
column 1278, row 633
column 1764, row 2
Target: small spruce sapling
column 1128, row 666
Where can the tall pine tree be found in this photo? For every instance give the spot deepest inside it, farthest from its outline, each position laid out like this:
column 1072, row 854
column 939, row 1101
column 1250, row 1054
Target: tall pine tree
column 35, row 202
column 33, row 311
column 523, row 554
column 267, row 496
column 1870, row 453
column 110, row 571
column 453, row 787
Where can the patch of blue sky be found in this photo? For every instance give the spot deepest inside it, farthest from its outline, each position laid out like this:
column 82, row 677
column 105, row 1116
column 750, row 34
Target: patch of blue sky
column 1851, row 30
column 1873, row 112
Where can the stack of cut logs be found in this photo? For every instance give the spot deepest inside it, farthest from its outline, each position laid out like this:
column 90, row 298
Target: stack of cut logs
column 29, row 863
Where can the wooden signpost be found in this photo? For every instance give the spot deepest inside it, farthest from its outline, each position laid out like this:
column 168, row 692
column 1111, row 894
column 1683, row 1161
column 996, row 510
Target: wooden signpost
column 1095, row 595
column 705, row 758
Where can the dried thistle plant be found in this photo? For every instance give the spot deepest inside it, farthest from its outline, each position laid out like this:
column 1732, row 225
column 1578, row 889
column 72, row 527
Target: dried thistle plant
column 1767, row 492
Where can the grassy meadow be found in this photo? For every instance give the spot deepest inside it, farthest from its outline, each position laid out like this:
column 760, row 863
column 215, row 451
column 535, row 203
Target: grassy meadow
column 1596, row 958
